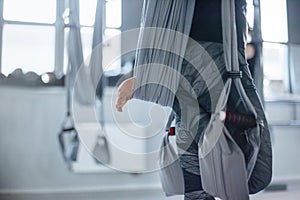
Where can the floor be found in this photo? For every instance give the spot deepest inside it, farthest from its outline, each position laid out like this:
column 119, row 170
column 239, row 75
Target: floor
column 142, row 195
column 289, row 195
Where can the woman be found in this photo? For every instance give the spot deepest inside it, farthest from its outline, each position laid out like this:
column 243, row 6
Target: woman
column 195, row 91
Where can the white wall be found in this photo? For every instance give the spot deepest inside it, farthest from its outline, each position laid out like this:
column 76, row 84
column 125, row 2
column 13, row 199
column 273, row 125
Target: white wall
column 285, row 139
column 30, row 158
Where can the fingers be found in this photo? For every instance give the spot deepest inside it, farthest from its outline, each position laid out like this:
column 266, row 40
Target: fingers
column 125, row 93
column 123, row 97
column 120, row 103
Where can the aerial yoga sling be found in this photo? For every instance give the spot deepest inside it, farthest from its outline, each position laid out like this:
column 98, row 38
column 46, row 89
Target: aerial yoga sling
column 227, row 170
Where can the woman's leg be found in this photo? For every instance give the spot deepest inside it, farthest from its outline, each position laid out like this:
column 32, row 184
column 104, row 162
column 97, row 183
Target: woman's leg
column 191, row 120
column 188, row 153
column 196, row 96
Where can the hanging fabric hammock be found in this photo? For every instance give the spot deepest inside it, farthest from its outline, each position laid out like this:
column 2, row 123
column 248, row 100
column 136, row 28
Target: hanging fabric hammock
column 86, row 85
column 226, row 170
column 84, row 91
column 68, row 137
column 153, row 80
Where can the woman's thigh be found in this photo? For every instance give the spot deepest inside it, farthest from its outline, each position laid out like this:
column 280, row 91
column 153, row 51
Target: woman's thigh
column 200, row 86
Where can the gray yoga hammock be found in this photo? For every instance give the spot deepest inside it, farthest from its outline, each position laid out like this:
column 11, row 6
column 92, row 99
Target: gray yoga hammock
column 82, row 83
column 162, row 42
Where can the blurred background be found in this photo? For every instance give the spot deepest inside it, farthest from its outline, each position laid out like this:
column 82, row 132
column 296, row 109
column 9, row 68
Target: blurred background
column 44, row 42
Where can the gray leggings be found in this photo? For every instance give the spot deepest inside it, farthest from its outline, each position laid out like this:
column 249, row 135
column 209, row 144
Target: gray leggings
column 198, row 92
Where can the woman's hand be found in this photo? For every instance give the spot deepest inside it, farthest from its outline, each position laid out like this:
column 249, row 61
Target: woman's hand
column 125, row 93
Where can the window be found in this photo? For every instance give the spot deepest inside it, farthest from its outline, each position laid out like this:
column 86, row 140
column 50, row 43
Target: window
column 34, row 34
column 275, row 60
column 87, row 40
column 113, row 13
column 30, row 10
column 274, row 21
column 29, row 36
column 87, row 10
column 275, row 44
column 112, row 27
column 112, row 50
column 275, row 47
column 28, row 47
column 250, row 13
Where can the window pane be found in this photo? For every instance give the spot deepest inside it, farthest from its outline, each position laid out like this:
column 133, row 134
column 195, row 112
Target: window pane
column 30, row 48
column 30, row 10
column 114, row 13
column 112, row 52
column 250, row 13
column 274, row 20
column 87, row 40
column 275, row 62
column 87, row 10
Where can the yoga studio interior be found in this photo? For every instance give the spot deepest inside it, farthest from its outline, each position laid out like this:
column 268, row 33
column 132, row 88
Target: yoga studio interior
column 84, row 116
